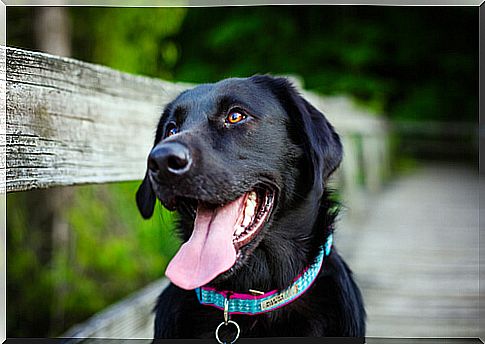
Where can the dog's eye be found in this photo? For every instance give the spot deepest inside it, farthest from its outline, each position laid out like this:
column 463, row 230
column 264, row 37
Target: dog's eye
column 235, row 117
column 172, row 129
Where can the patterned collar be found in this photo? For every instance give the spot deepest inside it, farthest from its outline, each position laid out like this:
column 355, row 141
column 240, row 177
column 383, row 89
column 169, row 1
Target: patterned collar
column 250, row 304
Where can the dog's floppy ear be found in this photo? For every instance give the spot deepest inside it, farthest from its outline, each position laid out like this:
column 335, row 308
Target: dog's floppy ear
column 145, row 198
column 322, row 144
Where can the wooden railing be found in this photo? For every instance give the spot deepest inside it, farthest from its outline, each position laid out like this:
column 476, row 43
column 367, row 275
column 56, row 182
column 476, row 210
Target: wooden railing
column 69, row 122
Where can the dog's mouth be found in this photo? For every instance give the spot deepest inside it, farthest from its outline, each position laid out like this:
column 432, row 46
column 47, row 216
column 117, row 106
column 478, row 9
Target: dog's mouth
column 256, row 209
column 220, row 233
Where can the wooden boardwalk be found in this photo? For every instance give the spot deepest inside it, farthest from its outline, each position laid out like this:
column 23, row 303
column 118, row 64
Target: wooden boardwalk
column 415, row 254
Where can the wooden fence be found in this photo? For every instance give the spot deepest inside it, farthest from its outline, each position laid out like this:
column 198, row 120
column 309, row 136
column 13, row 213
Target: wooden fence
column 69, row 122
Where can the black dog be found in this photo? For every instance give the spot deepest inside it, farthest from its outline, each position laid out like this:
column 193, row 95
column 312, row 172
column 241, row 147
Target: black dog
column 245, row 163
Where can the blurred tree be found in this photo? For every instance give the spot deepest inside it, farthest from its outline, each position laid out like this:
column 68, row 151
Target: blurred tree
column 135, row 40
column 52, row 35
column 410, row 63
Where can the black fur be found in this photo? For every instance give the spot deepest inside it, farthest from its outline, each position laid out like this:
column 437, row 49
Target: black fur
column 288, row 146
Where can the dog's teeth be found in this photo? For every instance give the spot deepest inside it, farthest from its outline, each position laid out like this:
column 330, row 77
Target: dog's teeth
column 252, row 196
column 247, row 220
column 251, row 202
column 250, row 209
column 239, row 230
column 252, row 217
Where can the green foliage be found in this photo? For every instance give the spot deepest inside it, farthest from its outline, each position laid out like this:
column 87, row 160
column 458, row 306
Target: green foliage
column 409, row 63
column 134, row 40
column 112, row 251
column 116, row 251
column 27, row 286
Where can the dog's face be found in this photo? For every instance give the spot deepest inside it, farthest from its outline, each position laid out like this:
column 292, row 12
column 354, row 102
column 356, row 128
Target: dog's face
column 231, row 158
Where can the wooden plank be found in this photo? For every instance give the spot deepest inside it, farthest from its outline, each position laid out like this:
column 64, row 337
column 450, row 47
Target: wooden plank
column 372, row 165
column 3, row 119
column 415, row 254
column 350, row 170
column 70, row 122
column 3, row 198
column 132, row 317
column 346, row 116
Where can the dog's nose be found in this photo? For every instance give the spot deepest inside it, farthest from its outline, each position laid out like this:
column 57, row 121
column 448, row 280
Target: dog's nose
column 170, row 157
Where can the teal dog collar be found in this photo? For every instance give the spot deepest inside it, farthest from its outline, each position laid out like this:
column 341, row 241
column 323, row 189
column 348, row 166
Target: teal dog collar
column 249, row 304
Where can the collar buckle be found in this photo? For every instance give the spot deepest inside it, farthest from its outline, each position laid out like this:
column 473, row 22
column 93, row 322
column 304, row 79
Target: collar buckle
column 226, row 310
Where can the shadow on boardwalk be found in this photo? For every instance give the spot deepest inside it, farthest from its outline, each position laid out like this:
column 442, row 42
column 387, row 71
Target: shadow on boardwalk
column 415, row 254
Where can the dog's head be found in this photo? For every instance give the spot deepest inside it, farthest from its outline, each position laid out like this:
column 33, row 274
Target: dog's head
column 232, row 158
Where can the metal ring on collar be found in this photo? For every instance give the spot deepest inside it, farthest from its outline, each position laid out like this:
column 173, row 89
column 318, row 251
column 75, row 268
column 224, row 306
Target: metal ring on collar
column 235, row 337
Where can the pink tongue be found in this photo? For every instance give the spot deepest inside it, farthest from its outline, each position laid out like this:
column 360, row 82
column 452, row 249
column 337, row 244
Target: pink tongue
column 209, row 251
